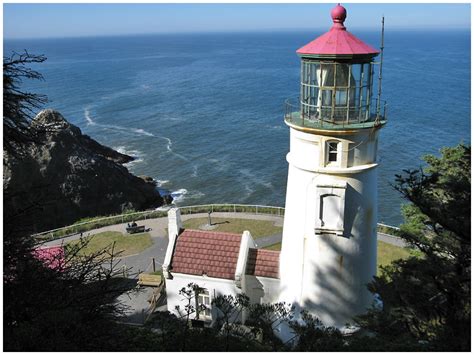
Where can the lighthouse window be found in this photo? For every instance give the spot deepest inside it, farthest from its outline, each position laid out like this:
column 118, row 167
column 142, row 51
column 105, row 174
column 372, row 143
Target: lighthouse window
column 342, row 74
column 341, row 97
column 336, row 92
column 332, row 152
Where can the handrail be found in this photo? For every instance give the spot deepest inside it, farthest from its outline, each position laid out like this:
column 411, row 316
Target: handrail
column 334, row 117
column 151, row 214
column 144, row 215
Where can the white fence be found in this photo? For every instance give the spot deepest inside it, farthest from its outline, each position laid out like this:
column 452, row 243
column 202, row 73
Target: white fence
column 144, row 215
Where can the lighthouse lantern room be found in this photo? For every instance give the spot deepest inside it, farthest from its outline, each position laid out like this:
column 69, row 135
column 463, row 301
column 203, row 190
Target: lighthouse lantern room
column 329, row 247
column 337, row 76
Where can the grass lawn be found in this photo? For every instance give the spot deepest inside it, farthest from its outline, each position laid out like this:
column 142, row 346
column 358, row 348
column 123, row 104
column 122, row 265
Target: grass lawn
column 128, row 244
column 386, row 253
column 257, row 228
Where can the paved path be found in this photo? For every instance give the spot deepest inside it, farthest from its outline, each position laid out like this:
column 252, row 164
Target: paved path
column 390, row 239
column 157, row 229
column 267, row 241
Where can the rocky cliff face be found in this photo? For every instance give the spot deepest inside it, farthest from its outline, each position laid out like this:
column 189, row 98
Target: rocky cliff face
column 63, row 175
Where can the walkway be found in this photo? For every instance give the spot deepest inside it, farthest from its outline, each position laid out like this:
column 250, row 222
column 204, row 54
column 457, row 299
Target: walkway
column 142, row 262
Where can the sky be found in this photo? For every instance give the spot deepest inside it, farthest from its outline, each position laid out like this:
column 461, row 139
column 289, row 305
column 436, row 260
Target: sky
column 77, row 20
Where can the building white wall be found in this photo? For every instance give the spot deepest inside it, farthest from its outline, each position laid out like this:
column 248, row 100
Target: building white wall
column 327, row 274
column 258, row 289
column 174, row 227
column 214, row 286
column 262, row 289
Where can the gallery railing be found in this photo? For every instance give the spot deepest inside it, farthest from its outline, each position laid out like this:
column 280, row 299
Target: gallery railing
column 335, row 117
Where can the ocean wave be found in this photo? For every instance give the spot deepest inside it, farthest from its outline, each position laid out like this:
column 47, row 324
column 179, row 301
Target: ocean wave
column 143, row 132
column 132, row 130
column 175, row 118
column 89, row 120
column 249, row 175
column 183, row 194
column 196, row 194
column 136, row 154
column 133, row 162
column 132, row 152
column 178, row 195
column 267, row 184
column 279, row 127
column 249, row 190
column 160, row 183
column 169, row 144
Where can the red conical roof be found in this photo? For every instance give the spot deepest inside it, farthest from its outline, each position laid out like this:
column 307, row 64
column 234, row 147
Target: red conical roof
column 338, row 41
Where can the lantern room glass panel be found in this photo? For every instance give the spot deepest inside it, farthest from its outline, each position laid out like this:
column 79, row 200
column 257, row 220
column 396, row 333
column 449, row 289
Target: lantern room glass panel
column 335, row 92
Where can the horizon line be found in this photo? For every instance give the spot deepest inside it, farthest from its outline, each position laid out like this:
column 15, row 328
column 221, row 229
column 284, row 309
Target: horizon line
column 317, row 30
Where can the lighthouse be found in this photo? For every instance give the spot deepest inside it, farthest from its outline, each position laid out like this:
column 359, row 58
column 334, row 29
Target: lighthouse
column 329, row 246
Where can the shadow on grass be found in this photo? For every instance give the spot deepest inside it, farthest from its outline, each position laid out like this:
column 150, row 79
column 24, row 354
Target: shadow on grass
column 217, row 223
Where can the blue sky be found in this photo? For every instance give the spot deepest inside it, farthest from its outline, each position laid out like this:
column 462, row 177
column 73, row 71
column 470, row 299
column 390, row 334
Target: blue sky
column 71, row 20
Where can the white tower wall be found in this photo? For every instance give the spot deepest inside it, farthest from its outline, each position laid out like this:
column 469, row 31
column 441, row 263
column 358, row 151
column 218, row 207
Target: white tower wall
column 329, row 247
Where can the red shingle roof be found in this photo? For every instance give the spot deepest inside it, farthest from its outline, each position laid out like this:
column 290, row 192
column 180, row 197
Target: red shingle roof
column 202, row 252
column 261, row 262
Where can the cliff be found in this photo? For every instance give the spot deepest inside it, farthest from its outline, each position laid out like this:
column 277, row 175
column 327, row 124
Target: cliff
column 62, row 175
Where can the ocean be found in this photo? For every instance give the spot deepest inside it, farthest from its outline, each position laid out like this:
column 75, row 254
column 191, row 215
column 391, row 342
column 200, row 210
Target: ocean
column 203, row 113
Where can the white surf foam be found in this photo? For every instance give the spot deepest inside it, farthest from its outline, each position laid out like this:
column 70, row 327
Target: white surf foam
column 136, row 154
column 254, row 180
column 132, row 152
column 160, row 183
column 183, row 194
column 249, row 190
column 132, row 130
column 143, row 132
column 89, row 120
column 133, row 162
column 196, row 194
column 178, row 195
column 169, row 144
column 139, row 131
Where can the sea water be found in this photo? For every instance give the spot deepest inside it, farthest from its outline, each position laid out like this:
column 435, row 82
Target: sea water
column 203, row 113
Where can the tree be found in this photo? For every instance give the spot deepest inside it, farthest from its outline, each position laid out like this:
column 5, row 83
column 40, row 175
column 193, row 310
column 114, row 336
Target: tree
column 64, row 304
column 268, row 317
column 312, row 335
column 190, row 293
column 230, row 310
column 427, row 300
column 18, row 105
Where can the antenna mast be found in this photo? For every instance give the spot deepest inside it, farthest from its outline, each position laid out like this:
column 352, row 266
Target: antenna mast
column 380, row 70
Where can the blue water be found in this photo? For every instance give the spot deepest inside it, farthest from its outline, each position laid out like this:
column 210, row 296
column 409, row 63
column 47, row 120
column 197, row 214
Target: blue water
column 203, row 113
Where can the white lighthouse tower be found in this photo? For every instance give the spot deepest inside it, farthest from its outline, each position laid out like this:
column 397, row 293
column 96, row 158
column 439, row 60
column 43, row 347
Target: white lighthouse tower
column 329, row 248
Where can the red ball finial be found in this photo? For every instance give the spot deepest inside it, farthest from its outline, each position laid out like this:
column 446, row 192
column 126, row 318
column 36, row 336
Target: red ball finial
column 338, row 14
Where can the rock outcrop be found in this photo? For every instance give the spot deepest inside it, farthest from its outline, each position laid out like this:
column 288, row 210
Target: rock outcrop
column 62, row 175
